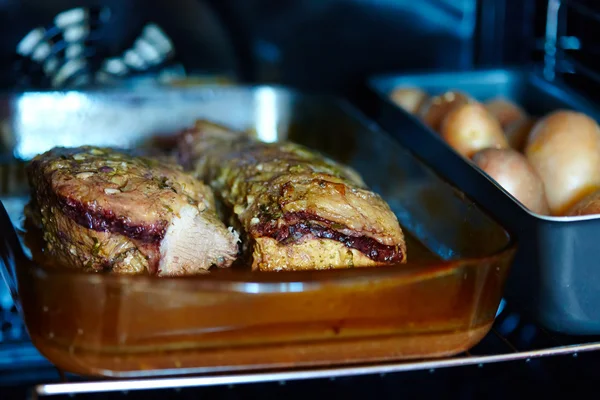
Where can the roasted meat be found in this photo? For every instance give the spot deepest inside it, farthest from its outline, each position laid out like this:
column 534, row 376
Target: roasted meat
column 296, row 209
column 105, row 210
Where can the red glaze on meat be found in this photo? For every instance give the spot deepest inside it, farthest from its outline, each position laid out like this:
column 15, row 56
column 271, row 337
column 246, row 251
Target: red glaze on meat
column 102, row 209
column 297, row 209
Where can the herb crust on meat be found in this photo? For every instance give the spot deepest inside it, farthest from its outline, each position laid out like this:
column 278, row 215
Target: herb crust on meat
column 297, row 209
column 104, row 210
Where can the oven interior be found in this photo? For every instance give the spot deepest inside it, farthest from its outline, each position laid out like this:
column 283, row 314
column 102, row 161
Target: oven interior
column 311, row 45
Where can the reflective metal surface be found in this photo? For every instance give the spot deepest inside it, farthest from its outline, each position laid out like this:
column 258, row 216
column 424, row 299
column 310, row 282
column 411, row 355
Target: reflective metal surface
column 33, row 122
column 556, row 273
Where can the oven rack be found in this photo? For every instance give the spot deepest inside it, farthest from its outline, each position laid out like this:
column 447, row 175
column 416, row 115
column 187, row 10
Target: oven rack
column 560, row 47
column 514, row 337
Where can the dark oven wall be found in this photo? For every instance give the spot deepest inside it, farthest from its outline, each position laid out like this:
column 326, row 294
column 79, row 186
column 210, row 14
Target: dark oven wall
column 319, row 44
column 578, row 61
column 305, row 43
column 62, row 43
column 311, row 44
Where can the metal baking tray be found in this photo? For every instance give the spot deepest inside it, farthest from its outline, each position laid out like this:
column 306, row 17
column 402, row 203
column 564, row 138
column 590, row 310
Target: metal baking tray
column 439, row 304
column 556, row 276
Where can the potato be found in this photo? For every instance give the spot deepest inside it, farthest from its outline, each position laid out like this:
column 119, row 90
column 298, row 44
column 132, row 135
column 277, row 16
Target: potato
column 588, row 205
column 505, row 111
column 518, row 131
column 469, row 128
column 410, row 99
column 513, row 172
column 436, row 108
column 564, row 149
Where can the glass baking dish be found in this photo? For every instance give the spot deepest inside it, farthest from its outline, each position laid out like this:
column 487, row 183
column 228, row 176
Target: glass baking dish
column 441, row 303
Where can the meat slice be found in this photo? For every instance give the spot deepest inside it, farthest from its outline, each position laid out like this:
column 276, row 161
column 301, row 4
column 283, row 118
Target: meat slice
column 297, row 209
column 105, row 210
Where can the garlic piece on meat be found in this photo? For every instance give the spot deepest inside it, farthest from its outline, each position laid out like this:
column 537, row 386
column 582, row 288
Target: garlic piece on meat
column 111, row 191
column 84, row 175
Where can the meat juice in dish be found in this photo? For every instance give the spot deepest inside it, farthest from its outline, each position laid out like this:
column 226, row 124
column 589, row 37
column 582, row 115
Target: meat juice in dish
column 297, row 209
column 103, row 210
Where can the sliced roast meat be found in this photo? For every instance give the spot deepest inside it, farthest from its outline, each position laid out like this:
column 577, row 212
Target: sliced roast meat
column 105, row 210
column 297, row 209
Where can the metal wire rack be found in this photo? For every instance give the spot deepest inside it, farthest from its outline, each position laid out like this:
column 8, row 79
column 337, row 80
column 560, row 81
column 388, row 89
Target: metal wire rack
column 513, row 337
column 569, row 49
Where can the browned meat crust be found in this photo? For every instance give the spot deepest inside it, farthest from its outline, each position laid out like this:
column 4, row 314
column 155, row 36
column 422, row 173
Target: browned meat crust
column 298, row 209
column 102, row 209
